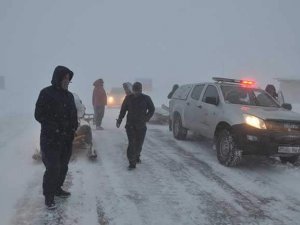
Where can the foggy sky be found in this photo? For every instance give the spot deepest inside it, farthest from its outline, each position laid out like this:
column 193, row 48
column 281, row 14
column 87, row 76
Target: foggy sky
column 170, row 41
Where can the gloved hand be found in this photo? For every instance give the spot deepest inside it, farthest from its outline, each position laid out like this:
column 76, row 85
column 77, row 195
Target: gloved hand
column 118, row 123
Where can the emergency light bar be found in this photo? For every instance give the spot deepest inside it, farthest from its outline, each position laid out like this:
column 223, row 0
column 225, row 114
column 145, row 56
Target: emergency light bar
column 229, row 80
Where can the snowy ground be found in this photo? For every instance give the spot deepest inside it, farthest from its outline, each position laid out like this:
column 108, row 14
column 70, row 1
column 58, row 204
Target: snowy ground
column 178, row 182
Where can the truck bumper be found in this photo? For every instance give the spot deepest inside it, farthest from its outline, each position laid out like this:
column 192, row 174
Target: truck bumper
column 253, row 141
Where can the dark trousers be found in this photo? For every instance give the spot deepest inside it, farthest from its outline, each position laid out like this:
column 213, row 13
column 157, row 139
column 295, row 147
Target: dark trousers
column 55, row 156
column 136, row 136
column 98, row 114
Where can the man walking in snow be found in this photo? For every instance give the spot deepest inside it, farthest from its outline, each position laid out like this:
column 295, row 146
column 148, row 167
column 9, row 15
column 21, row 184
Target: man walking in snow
column 99, row 102
column 56, row 111
column 140, row 109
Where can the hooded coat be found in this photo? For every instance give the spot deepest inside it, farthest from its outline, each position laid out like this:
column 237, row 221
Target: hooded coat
column 56, row 110
column 99, row 94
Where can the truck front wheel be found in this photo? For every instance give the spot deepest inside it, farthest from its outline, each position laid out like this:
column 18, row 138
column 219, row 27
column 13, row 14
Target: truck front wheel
column 227, row 152
column 179, row 132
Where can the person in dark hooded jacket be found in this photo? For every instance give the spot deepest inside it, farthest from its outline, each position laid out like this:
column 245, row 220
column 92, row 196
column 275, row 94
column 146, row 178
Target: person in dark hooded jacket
column 57, row 114
column 139, row 108
column 270, row 88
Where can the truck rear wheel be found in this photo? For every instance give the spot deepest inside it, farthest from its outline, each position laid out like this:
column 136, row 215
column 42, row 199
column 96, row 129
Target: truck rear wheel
column 179, row 132
column 227, row 152
column 291, row 159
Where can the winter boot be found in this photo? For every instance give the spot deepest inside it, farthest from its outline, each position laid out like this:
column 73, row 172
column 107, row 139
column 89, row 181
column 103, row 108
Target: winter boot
column 131, row 166
column 61, row 193
column 49, row 202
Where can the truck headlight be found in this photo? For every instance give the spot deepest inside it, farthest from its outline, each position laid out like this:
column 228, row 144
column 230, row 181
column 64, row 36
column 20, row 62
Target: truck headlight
column 255, row 121
column 110, row 100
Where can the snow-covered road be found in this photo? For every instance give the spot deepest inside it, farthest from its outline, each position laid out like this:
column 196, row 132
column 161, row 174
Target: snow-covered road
column 178, row 182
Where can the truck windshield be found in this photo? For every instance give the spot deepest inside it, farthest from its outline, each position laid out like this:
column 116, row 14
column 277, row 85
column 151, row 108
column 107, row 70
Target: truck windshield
column 247, row 96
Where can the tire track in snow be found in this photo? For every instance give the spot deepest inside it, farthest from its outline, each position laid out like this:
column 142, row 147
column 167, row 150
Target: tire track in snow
column 142, row 196
column 102, row 220
column 251, row 207
column 279, row 199
column 274, row 203
column 208, row 204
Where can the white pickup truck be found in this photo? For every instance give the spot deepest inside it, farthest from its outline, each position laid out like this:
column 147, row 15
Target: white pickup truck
column 241, row 119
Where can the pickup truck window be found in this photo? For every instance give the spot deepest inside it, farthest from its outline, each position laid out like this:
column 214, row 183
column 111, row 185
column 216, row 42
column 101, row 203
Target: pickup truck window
column 247, row 96
column 182, row 92
column 211, row 91
column 197, row 91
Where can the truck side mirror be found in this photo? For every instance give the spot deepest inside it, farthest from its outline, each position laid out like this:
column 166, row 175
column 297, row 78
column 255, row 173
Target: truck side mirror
column 212, row 100
column 287, row 106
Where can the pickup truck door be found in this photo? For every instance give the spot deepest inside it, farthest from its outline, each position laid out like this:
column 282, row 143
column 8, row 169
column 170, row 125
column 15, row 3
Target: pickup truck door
column 210, row 111
column 192, row 109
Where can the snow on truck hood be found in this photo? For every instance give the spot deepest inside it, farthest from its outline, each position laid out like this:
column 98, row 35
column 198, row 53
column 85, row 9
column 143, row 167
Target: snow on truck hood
column 268, row 112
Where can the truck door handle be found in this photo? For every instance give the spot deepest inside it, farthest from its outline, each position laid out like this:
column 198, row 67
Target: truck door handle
column 188, row 103
column 200, row 106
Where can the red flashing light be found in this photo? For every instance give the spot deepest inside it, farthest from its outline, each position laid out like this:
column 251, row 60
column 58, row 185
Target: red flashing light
column 244, row 83
column 247, row 82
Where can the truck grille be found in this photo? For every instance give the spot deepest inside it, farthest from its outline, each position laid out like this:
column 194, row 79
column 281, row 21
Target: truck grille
column 283, row 125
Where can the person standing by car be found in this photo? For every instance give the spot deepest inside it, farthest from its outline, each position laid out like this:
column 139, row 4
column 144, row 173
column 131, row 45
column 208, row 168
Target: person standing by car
column 170, row 95
column 140, row 109
column 99, row 102
column 174, row 88
column 56, row 111
column 270, row 88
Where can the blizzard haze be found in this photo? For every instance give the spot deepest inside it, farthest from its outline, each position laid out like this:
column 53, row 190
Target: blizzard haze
column 170, row 41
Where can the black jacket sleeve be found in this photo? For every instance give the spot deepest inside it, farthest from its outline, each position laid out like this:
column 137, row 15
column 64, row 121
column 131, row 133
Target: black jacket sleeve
column 74, row 118
column 150, row 108
column 124, row 109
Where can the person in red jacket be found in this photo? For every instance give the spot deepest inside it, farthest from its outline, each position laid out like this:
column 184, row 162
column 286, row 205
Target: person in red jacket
column 99, row 102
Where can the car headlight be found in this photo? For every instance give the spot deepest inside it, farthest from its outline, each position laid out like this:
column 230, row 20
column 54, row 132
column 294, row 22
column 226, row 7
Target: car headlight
column 110, row 100
column 254, row 121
